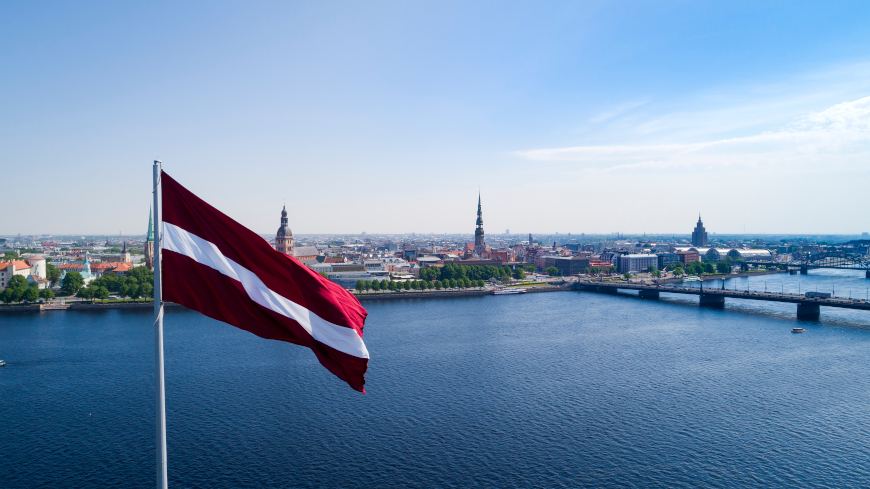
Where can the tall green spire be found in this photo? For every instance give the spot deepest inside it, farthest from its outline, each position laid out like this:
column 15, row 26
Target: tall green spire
column 150, row 226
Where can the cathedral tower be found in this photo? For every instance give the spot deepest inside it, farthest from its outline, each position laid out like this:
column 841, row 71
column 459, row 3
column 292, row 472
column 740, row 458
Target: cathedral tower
column 284, row 238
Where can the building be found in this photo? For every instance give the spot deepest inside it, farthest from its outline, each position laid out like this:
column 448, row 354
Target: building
column 409, row 252
column 348, row 279
column 9, row 269
column 571, row 265
column 479, row 241
column 699, row 235
column 284, row 237
column 688, row 256
column 149, row 243
column 84, row 270
column 635, row 263
column 665, row 259
column 716, row 254
column 124, row 256
column 750, row 254
column 305, row 254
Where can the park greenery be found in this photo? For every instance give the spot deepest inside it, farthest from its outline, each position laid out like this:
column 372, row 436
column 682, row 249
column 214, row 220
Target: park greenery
column 135, row 284
column 471, row 272
column 18, row 290
column 447, row 283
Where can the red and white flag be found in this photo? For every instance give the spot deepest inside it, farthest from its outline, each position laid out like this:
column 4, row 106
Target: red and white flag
column 216, row 266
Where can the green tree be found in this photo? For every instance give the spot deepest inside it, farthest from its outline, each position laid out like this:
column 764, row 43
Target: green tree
column 627, row 275
column 359, row 284
column 17, row 282
column 552, row 271
column 324, row 275
column 439, row 284
column 145, row 290
column 406, row 285
column 376, row 285
column 368, row 285
column 588, row 270
column 72, row 282
column 52, row 273
column 30, row 294
column 651, row 268
column 530, row 268
column 86, row 292
column 101, row 293
column 657, row 273
column 133, row 291
column 723, row 267
column 611, row 270
column 519, row 274
column 46, row 293
column 678, row 271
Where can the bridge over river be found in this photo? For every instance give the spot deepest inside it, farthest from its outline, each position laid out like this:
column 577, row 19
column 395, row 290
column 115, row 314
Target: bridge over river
column 808, row 307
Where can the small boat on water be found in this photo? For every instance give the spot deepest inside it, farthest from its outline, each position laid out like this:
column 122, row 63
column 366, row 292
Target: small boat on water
column 508, row 291
column 797, row 330
column 691, row 279
column 2, row 363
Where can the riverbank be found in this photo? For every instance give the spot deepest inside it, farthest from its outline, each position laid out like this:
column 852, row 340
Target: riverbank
column 370, row 296
column 80, row 306
column 442, row 294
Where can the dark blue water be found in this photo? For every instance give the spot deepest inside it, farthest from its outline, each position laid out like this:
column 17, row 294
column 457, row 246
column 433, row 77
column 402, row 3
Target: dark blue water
column 543, row 390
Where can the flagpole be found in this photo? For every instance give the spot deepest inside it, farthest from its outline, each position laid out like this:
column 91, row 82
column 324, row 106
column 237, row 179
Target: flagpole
column 160, row 393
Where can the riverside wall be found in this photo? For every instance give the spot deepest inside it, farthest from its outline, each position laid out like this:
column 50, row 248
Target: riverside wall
column 448, row 294
column 376, row 296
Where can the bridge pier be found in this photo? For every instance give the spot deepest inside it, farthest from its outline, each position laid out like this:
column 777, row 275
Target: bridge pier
column 792, row 271
column 607, row 290
column 716, row 301
column 867, row 274
column 808, row 310
column 648, row 294
column 805, row 270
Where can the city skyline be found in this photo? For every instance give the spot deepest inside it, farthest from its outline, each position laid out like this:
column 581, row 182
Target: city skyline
column 385, row 119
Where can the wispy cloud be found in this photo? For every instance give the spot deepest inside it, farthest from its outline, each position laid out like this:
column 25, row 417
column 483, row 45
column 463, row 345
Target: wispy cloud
column 834, row 135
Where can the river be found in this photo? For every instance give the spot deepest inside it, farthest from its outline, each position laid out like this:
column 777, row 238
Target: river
column 564, row 389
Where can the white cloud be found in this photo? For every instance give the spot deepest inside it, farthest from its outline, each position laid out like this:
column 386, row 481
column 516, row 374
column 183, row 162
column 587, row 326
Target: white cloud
column 833, row 137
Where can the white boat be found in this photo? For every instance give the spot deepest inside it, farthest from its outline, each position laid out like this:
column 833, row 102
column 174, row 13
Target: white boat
column 2, row 363
column 691, row 279
column 797, row 330
column 508, row 291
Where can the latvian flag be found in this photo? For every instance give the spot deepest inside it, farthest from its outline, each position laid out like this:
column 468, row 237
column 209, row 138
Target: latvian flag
column 216, row 266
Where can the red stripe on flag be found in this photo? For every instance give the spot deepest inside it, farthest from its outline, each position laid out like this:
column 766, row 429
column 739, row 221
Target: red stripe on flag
column 207, row 290
column 279, row 272
column 219, row 297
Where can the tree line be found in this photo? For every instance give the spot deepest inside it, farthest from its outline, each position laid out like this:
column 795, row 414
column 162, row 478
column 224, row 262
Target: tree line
column 448, row 283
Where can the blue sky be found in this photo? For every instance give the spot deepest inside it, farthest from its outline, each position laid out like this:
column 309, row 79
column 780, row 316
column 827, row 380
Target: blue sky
column 387, row 117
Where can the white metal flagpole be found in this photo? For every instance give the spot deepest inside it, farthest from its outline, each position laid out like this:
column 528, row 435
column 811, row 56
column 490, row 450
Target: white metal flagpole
column 160, row 393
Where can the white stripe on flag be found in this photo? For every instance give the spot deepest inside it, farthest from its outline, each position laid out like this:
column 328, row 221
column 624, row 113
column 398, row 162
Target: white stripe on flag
column 343, row 339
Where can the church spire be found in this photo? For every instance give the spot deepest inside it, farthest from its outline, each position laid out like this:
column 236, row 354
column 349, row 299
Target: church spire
column 150, row 234
column 479, row 241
